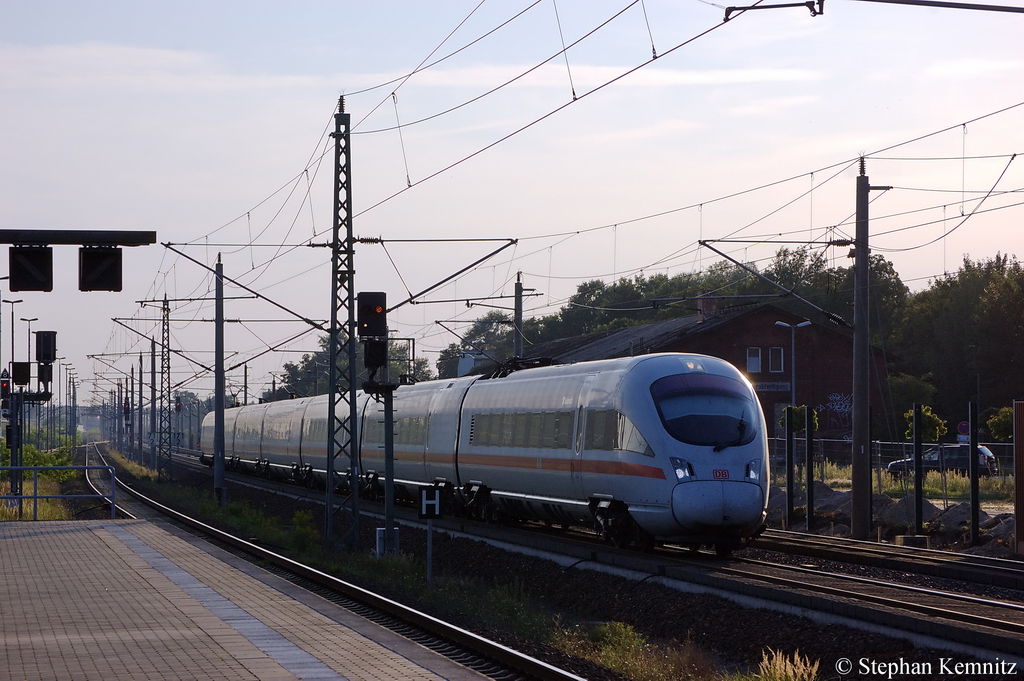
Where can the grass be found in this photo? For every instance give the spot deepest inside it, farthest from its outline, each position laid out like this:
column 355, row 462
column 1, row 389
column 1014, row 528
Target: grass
column 776, row 666
column 622, row 649
column 957, row 486
column 48, row 509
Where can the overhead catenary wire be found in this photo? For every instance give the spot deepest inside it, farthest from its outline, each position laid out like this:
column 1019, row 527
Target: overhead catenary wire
column 565, row 52
column 407, row 173
column 423, row 67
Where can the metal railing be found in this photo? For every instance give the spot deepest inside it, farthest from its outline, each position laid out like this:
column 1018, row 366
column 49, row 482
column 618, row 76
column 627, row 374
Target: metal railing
column 15, row 500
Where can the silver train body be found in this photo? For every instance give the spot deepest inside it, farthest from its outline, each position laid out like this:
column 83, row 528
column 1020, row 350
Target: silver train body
column 657, row 448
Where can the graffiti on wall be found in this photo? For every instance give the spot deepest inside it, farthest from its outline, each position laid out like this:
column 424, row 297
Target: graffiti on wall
column 837, row 413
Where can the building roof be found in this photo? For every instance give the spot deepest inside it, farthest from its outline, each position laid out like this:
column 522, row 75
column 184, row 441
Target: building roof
column 655, row 337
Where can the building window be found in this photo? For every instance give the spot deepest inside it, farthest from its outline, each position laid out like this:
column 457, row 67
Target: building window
column 776, row 364
column 753, row 360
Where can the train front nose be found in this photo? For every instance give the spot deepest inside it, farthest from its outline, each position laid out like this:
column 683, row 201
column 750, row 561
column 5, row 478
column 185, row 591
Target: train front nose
column 721, row 505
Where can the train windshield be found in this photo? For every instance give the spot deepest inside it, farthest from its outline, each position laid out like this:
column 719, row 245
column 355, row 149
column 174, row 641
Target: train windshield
column 705, row 410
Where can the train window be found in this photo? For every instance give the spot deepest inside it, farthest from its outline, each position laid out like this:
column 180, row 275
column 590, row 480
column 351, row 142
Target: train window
column 494, row 430
column 602, row 429
column 409, row 430
column 478, row 429
column 630, row 438
column 519, row 427
column 608, row 429
column 507, row 426
column 563, row 429
column 550, row 438
column 703, row 409
column 550, row 430
column 536, row 425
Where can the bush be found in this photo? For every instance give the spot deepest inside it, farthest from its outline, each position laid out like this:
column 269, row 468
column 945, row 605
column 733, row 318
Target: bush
column 30, row 456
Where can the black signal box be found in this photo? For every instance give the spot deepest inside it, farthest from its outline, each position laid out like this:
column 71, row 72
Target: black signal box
column 99, row 268
column 46, row 347
column 30, row 268
column 371, row 318
column 21, row 372
column 375, row 353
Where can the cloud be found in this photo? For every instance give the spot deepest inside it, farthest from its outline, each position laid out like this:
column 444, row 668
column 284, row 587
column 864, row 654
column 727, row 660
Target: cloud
column 659, row 130
column 763, row 107
column 585, row 77
column 104, row 66
column 973, row 68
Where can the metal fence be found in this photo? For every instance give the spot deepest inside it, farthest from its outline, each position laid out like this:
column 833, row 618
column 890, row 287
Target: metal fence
column 839, row 452
column 16, row 500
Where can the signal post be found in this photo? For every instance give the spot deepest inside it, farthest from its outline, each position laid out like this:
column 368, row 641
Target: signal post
column 372, row 327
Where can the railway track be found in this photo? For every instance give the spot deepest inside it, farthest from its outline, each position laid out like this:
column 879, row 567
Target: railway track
column 879, row 598
column 476, row 652
column 998, row 572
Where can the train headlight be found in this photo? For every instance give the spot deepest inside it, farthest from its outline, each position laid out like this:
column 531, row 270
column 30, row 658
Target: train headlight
column 683, row 469
column 753, row 470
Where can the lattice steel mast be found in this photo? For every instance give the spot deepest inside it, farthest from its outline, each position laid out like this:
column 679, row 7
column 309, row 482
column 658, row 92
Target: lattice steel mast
column 341, row 409
column 164, row 408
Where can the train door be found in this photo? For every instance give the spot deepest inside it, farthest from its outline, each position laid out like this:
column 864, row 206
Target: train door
column 581, row 427
column 443, row 430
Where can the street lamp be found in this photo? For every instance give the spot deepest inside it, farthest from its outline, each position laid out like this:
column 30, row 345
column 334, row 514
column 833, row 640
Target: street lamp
column 2, row 279
column 28, row 343
column 792, row 360
column 13, row 303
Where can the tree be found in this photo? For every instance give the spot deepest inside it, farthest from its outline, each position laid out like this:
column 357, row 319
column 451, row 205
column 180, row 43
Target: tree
column 491, row 334
column 909, row 390
column 998, row 357
column 799, row 418
column 932, row 427
column 311, row 376
column 951, row 332
column 1001, row 425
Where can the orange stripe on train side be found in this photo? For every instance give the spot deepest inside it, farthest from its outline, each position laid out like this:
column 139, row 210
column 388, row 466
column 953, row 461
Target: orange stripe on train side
column 440, row 457
column 431, row 457
column 563, row 465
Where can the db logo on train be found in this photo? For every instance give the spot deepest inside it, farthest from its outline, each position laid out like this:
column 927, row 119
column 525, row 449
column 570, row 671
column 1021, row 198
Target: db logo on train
column 720, row 474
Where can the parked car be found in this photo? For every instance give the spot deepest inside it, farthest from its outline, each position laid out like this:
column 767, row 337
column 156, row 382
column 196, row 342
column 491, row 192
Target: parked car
column 949, row 458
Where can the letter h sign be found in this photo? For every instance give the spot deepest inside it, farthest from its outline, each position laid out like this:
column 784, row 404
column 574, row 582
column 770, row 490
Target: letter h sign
column 430, row 503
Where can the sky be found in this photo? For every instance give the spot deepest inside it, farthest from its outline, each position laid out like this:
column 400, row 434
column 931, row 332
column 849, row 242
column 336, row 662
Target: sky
column 549, row 123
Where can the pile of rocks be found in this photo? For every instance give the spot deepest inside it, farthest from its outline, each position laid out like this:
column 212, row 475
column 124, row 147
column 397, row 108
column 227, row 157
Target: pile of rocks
column 948, row 527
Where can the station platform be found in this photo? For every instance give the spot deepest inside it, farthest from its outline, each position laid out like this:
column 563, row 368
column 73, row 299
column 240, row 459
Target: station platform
column 136, row 599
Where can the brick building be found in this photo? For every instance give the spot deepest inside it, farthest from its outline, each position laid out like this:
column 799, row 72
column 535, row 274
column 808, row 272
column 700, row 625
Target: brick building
column 750, row 339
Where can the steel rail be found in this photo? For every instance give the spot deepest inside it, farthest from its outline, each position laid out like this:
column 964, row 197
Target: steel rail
column 931, row 611
column 936, row 612
column 977, row 569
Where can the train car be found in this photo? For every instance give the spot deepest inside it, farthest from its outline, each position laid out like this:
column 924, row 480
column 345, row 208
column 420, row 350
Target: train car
column 658, row 448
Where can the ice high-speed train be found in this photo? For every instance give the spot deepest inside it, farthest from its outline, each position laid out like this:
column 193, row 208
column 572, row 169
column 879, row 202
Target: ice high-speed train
column 657, row 448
